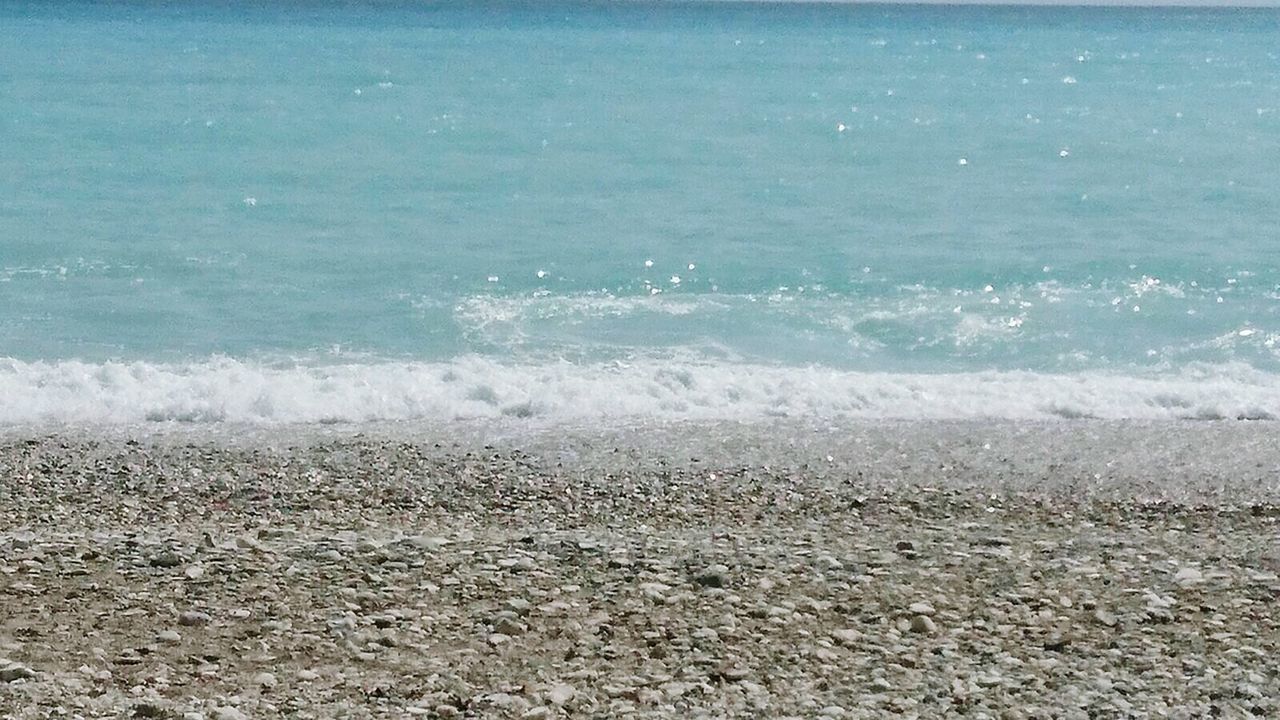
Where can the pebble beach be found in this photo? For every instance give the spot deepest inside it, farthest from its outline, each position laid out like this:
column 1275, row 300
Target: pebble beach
column 570, row 360
column 917, row 570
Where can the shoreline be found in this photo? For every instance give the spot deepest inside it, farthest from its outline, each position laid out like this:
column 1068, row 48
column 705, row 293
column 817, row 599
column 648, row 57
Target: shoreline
column 1210, row 462
column 713, row 570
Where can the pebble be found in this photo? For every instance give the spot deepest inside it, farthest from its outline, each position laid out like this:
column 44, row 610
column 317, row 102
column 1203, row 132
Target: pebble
column 921, row 608
column 561, row 694
column 265, row 679
column 169, row 636
column 655, row 590
column 229, row 713
column 923, row 624
column 190, row 618
column 149, row 710
column 846, row 636
column 1188, row 576
column 715, row 576
column 166, row 560
column 424, row 542
column 13, row 672
column 507, row 626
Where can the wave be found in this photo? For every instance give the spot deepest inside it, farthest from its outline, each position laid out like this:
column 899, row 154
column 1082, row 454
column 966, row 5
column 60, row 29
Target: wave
column 236, row 391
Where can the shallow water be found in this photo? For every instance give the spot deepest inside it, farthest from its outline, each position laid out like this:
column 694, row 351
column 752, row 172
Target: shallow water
column 568, row 211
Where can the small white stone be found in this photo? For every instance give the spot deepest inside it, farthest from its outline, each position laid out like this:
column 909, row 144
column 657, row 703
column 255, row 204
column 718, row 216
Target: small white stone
column 922, row 608
column 846, row 636
column 425, row 542
column 654, row 590
column 561, row 694
column 1188, row 576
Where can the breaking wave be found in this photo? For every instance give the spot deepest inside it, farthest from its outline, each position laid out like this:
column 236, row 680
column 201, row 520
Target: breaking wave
column 230, row 390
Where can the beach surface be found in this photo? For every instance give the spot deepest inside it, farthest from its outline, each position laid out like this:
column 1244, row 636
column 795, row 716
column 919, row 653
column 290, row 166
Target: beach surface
column 986, row 569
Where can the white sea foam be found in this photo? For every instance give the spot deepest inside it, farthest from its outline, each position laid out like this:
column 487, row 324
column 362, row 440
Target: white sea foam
column 227, row 390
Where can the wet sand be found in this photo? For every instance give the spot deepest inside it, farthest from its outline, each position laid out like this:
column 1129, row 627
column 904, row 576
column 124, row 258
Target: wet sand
column 1070, row 569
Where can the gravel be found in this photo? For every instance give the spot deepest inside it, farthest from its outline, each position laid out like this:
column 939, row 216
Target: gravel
column 376, row 575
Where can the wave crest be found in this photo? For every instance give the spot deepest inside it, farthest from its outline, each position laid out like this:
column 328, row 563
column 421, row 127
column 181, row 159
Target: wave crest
column 229, row 390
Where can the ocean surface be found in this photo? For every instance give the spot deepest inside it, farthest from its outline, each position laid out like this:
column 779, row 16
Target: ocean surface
column 555, row 212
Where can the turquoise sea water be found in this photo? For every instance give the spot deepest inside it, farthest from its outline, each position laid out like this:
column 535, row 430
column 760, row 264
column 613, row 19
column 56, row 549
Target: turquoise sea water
column 554, row 210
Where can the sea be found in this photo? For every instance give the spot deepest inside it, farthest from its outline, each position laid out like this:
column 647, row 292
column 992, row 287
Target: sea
column 607, row 213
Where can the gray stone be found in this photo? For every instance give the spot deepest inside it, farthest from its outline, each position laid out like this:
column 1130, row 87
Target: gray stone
column 846, row 636
column 923, row 624
column 507, row 625
column 922, row 608
column 191, row 618
column 14, row 672
column 149, row 710
column 166, row 560
column 715, row 576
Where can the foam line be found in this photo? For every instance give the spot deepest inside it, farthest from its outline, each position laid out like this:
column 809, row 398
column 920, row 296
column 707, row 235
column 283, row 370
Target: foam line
column 229, row 390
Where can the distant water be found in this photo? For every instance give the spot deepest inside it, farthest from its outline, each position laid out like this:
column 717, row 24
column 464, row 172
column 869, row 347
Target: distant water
column 578, row 211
